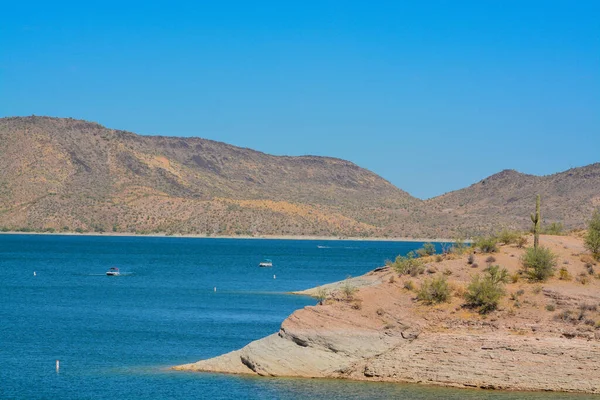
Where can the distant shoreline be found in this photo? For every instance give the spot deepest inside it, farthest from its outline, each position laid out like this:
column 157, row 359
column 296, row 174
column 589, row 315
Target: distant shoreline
column 265, row 237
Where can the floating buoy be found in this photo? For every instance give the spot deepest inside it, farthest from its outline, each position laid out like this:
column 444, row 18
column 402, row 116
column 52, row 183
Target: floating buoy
column 57, row 366
column 215, row 288
column 274, row 277
column 34, row 273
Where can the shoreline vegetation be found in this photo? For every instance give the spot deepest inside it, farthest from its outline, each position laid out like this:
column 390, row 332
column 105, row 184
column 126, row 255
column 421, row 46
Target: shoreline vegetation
column 482, row 317
column 273, row 237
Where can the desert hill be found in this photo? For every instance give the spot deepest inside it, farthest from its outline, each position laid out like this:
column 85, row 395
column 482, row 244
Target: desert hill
column 62, row 174
column 65, row 174
column 505, row 199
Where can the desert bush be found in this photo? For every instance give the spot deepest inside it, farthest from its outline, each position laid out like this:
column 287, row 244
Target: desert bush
column 592, row 238
column 538, row 264
column 521, row 242
column 428, row 249
column 348, row 290
column 514, row 278
column 439, row 258
column 490, row 259
column 392, row 279
column 458, row 247
column 563, row 274
column 565, row 316
column 434, row 290
column 487, row 244
column 508, row 237
column 409, row 285
column 550, row 307
column 408, row 265
column 322, row 295
column 537, row 289
column 555, row 228
column 474, row 265
column 484, row 292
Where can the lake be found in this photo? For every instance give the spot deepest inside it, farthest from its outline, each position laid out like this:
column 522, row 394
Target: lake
column 116, row 337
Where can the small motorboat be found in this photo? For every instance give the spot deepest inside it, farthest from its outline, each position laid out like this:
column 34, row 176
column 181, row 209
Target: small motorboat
column 265, row 263
column 113, row 271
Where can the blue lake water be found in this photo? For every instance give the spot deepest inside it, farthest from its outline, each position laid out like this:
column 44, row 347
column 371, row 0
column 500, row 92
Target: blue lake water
column 116, row 337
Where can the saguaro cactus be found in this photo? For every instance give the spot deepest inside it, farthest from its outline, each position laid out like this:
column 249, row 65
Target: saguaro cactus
column 537, row 220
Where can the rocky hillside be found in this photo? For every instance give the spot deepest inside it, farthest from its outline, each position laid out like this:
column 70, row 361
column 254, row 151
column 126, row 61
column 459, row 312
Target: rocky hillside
column 69, row 175
column 506, row 198
column 65, row 174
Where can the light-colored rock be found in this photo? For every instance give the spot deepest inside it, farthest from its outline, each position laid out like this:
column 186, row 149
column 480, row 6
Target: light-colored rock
column 383, row 334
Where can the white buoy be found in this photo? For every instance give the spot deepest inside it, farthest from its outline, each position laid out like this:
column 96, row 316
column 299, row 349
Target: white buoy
column 215, row 288
column 34, row 273
column 274, row 277
column 57, row 366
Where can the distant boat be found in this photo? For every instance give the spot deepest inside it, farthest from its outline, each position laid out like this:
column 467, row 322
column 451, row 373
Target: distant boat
column 265, row 263
column 113, row 271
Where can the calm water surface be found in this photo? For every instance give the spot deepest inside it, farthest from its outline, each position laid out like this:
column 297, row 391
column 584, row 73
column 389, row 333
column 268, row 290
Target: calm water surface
column 116, row 336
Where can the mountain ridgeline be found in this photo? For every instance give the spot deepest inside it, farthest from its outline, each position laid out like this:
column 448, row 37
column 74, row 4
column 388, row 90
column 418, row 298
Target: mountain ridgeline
column 69, row 175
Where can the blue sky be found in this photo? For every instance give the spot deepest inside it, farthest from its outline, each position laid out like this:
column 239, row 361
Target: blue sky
column 431, row 95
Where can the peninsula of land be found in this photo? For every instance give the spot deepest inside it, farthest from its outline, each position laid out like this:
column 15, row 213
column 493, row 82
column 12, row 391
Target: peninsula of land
column 542, row 336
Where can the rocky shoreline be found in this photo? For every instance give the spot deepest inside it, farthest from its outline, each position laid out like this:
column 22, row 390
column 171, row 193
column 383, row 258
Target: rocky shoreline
column 384, row 334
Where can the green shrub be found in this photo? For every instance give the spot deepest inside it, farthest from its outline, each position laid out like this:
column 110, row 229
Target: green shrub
column 434, row 290
column 563, row 274
column 409, row 285
column 508, row 237
column 555, row 228
column 458, row 247
column 592, row 238
column 428, row 249
column 348, row 290
column 484, row 292
column 521, row 242
column 538, row 264
column 321, row 295
column 487, row 244
column 409, row 265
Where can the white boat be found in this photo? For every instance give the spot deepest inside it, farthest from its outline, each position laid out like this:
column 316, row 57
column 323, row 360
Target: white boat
column 113, row 271
column 265, row 263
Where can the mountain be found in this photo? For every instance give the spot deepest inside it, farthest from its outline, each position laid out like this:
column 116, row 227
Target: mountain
column 62, row 174
column 507, row 198
column 66, row 174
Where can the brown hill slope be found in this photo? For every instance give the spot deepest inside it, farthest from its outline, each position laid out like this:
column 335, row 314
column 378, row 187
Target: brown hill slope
column 66, row 174
column 71, row 175
column 507, row 198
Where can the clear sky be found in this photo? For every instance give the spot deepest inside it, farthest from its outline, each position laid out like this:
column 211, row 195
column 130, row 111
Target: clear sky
column 431, row 95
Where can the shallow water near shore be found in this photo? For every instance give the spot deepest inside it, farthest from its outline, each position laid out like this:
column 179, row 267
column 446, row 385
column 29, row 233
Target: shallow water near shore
column 116, row 337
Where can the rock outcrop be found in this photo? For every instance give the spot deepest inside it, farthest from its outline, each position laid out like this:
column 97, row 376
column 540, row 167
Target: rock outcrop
column 382, row 333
